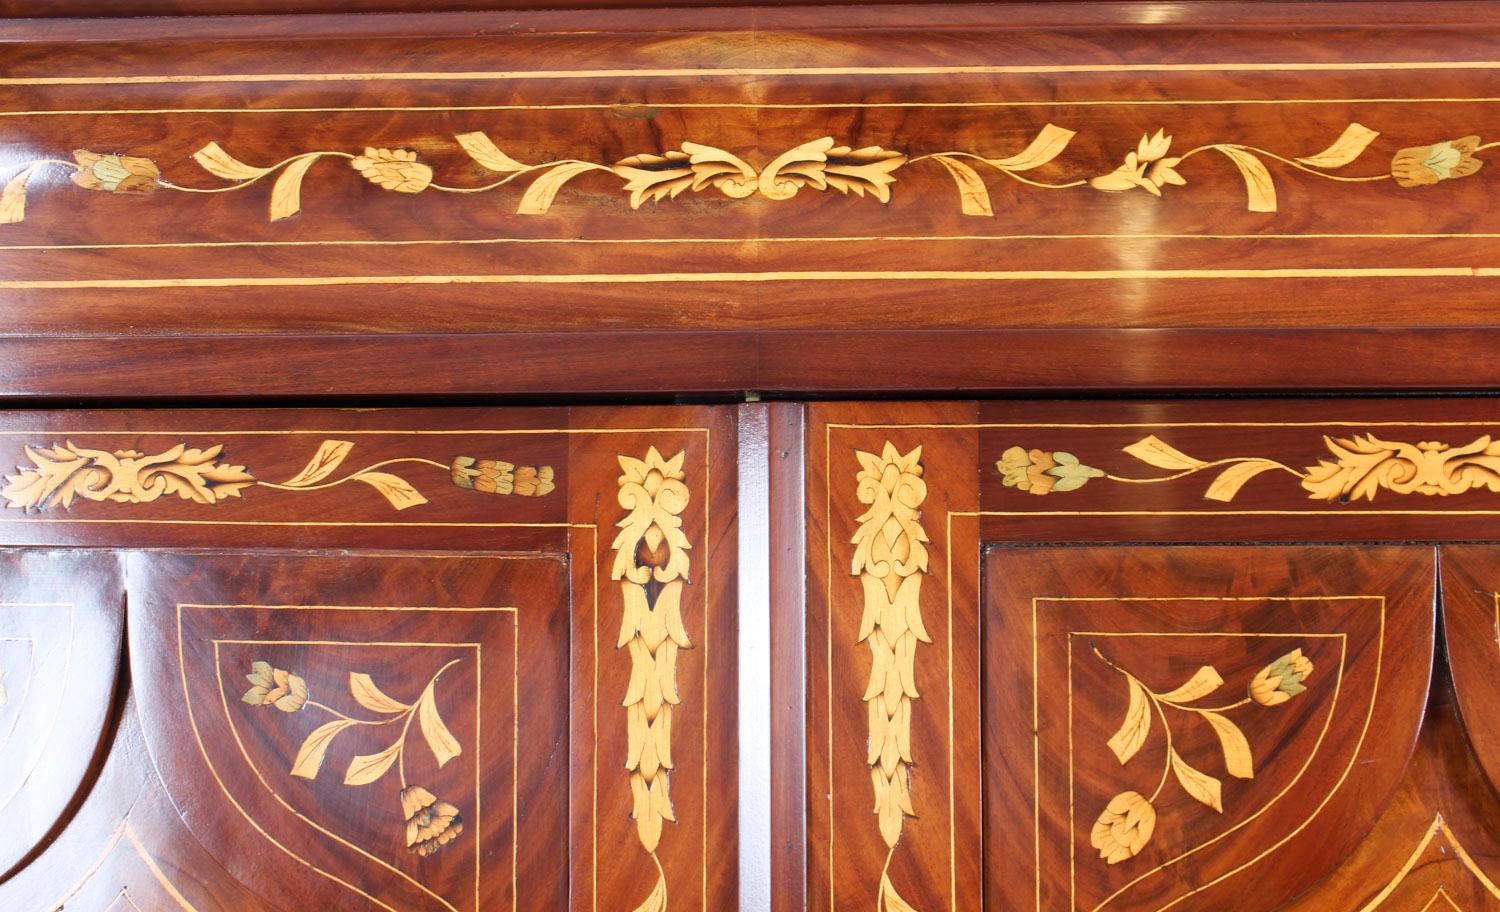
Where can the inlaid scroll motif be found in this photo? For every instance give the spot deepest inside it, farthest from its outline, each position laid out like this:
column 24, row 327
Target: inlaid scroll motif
column 890, row 559
column 819, row 164
column 1127, row 823
column 1359, row 467
column 62, row 473
column 652, row 566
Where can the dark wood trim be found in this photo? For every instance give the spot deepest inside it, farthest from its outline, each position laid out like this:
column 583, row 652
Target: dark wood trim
column 788, row 658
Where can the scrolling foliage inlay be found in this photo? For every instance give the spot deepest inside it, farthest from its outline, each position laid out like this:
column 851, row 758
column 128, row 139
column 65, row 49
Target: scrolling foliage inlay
column 652, row 566
column 62, row 473
column 1360, row 467
column 821, row 164
column 890, row 559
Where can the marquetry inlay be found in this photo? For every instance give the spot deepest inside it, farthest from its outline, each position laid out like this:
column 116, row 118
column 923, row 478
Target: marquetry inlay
column 817, row 164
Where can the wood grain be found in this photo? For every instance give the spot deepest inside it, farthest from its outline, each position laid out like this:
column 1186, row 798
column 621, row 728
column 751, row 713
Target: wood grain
column 502, row 788
column 60, row 649
column 1274, row 695
column 752, row 198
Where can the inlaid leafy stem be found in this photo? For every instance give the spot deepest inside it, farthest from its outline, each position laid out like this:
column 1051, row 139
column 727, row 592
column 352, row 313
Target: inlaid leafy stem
column 1127, row 823
column 430, row 823
column 820, row 164
column 330, row 455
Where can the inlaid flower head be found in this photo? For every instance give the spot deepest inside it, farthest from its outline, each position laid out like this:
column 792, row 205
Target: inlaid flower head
column 275, row 687
column 115, row 173
column 393, row 169
column 1423, row 166
column 1281, row 680
column 430, row 823
column 492, row 476
column 534, row 481
column 1148, row 167
column 1124, row 828
column 1041, row 472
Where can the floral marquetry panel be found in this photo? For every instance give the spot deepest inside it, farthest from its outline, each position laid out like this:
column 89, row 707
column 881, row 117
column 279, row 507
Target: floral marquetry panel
column 357, row 729
column 402, row 659
column 1181, row 723
column 1295, row 470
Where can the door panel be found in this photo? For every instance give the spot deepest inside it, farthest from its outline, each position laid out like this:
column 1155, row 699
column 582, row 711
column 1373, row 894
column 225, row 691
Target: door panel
column 363, row 718
column 60, row 614
column 593, row 554
column 1174, row 724
column 958, row 792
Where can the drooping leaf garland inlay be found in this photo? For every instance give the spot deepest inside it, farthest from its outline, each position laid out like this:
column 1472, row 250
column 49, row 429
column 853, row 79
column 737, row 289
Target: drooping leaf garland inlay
column 652, row 566
column 61, row 474
column 1128, row 821
column 429, row 822
column 1359, row 467
column 819, row 164
column 890, row 559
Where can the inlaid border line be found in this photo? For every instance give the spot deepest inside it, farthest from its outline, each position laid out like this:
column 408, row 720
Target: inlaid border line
column 750, row 105
column 662, row 278
column 239, row 741
column 751, row 72
column 826, row 239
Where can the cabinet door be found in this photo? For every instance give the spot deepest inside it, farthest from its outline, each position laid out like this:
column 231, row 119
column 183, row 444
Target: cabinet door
column 1194, row 728
column 402, row 660
column 1032, row 679
column 364, row 719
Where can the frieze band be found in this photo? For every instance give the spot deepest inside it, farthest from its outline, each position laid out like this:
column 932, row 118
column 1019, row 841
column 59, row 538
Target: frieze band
column 819, row 164
column 61, row 474
column 1361, row 466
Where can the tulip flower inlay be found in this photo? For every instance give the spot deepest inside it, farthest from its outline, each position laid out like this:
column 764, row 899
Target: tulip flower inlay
column 1125, row 826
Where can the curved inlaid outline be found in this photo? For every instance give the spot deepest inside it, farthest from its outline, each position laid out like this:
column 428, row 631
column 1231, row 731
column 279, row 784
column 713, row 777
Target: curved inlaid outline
column 1312, row 755
column 18, row 703
column 479, row 683
column 1353, row 756
column 706, row 500
column 1439, row 825
column 124, row 831
column 61, row 691
column 203, row 752
column 1442, row 893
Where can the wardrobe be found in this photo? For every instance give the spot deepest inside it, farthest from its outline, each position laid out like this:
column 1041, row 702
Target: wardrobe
column 653, row 457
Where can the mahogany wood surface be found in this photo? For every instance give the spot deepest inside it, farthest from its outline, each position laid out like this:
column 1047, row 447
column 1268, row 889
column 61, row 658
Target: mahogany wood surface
column 1318, row 812
column 60, row 648
column 789, row 683
column 1011, row 196
column 539, row 603
column 1434, row 844
column 1471, row 619
column 1254, row 707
